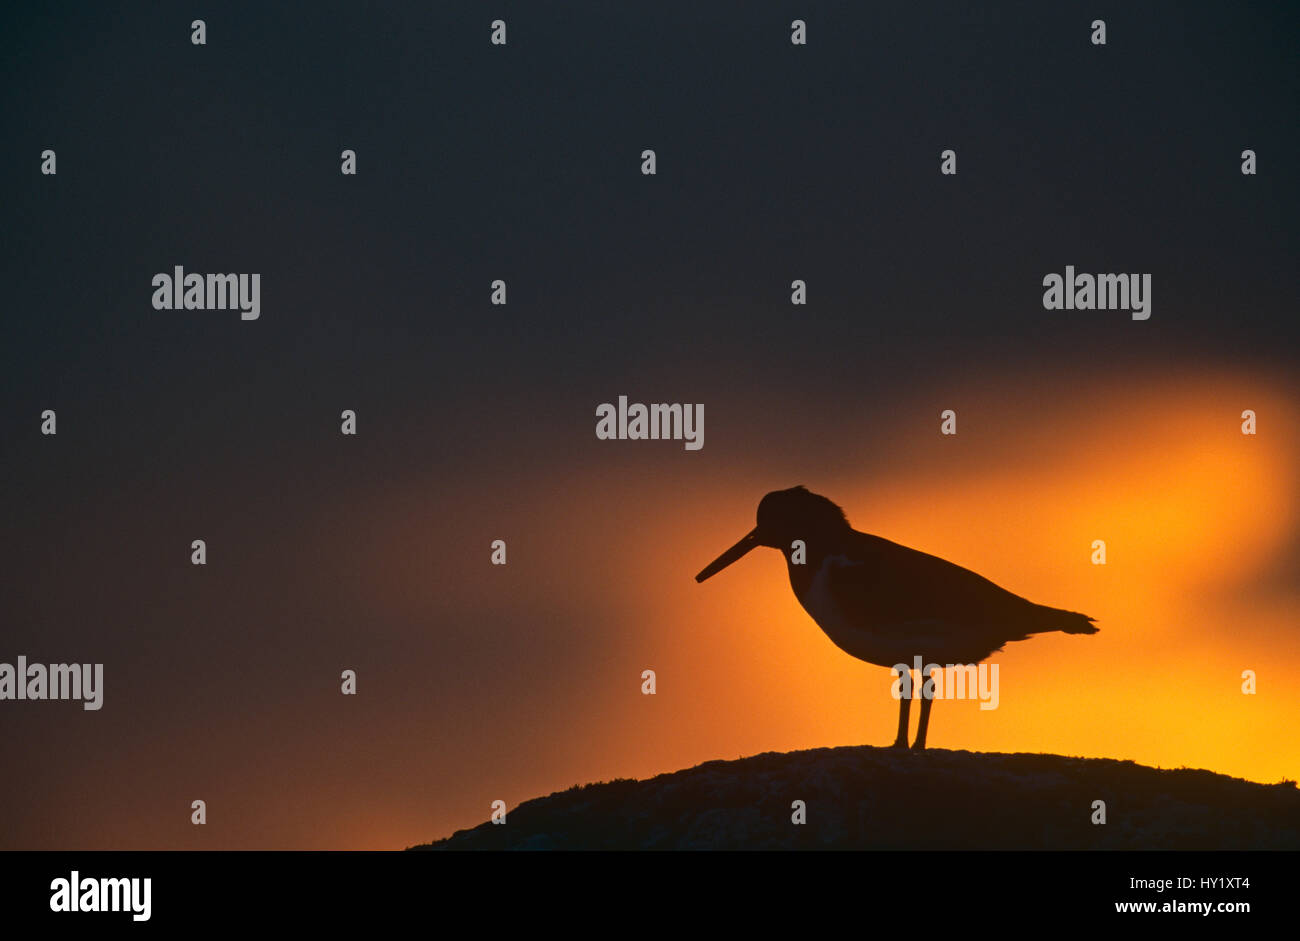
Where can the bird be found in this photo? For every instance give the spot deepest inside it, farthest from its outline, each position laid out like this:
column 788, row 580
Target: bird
column 885, row 603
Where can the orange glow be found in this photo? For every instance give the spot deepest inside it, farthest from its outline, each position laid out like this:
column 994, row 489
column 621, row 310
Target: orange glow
column 488, row 682
column 1193, row 513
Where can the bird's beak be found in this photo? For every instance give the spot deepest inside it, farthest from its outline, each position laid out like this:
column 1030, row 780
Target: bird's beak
column 731, row 555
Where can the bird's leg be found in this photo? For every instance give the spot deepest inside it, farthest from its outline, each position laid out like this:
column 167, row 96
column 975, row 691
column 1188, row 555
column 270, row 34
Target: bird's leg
column 926, row 702
column 904, row 705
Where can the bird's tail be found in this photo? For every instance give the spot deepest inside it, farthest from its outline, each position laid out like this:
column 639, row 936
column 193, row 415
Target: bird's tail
column 1070, row 622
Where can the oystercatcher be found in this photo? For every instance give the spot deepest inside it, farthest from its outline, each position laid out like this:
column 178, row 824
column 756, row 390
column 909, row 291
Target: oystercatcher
column 885, row 603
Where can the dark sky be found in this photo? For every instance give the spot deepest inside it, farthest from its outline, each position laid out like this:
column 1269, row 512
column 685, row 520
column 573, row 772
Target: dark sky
column 477, row 162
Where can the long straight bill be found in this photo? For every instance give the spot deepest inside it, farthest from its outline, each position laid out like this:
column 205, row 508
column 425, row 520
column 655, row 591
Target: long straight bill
column 731, row 555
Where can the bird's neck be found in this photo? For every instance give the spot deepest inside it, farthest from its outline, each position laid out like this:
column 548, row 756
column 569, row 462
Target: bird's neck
column 804, row 566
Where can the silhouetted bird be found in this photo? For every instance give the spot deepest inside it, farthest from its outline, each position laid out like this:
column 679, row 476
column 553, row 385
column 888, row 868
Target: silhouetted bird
column 887, row 604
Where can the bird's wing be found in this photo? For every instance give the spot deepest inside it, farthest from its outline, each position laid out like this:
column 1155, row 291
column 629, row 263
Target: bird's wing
column 898, row 585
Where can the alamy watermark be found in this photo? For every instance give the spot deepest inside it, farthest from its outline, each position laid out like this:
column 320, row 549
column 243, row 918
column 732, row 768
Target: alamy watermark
column 1098, row 292
column 76, row 894
column 953, row 681
column 25, row 680
column 181, row 291
column 654, row 422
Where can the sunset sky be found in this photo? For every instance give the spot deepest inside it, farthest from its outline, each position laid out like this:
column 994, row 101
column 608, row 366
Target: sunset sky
column 479, row 682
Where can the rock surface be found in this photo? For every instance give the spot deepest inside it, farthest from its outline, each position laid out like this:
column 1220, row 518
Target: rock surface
column 879, row 798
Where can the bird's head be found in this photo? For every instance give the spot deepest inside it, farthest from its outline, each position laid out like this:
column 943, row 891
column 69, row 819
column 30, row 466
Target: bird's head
column 784, row 516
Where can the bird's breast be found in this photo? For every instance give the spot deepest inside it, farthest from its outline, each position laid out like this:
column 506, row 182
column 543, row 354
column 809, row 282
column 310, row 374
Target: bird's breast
column 852, row 632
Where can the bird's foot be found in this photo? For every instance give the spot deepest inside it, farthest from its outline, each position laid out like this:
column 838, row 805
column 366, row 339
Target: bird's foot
column 919, row 745
column 899, row 743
